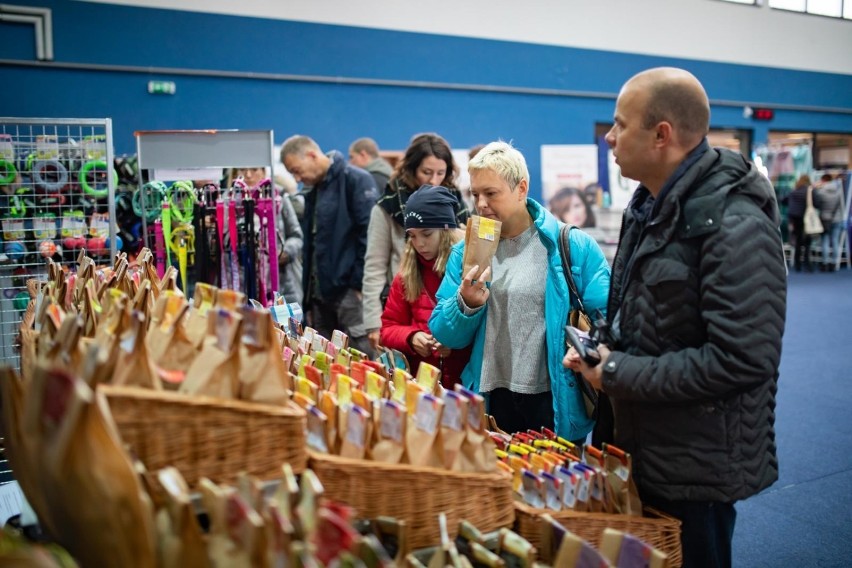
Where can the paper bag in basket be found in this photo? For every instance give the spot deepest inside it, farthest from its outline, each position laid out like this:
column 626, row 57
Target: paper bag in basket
column 102, row 515
column 170, row 348
column 180, row 536
column 215, row 372
column 196, row 321
column 22, row 446
column 482, row 235
column 263, row 374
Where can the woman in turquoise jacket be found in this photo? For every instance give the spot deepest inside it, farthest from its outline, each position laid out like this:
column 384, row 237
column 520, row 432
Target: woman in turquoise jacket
column 499, row 182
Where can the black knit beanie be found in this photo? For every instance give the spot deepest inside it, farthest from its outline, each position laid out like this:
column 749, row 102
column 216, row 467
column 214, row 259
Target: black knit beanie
column 431, row 207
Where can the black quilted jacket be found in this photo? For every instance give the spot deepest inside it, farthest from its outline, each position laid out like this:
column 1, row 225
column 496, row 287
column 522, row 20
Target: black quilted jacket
column 694, row 374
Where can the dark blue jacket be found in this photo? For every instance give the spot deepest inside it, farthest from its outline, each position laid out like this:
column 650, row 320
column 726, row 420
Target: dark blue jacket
column 337, row 212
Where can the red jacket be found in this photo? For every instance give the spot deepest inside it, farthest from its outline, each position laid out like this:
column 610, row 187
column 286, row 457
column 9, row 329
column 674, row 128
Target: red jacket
column 401, row 319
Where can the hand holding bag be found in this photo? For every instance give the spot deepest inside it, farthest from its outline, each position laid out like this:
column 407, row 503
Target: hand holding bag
column 577, row 317
column 813, row 225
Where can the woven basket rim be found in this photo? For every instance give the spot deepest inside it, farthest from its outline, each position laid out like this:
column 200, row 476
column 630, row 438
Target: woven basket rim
column 290, row 409
column 496, row 477
column 659, row 518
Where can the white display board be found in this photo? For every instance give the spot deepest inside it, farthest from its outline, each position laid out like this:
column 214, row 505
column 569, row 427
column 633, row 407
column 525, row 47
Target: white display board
column 567, row 165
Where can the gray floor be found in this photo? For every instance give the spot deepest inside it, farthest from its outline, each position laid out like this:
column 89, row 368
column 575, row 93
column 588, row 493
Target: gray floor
column 805, row 519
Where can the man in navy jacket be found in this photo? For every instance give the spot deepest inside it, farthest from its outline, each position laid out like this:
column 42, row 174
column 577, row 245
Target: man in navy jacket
column 338, row 200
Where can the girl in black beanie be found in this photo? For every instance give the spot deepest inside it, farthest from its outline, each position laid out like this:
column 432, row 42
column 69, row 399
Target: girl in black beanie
column 431, row 231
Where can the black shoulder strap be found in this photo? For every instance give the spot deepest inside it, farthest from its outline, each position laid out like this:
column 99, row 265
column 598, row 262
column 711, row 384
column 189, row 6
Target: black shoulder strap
column 565, row 253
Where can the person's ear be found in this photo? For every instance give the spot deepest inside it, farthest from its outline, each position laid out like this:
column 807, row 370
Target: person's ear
column 664, row 133
column 523, row 189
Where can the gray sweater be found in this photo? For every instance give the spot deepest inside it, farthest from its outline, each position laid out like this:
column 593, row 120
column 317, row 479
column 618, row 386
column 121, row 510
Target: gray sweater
column 829, row 199
column 516, row 355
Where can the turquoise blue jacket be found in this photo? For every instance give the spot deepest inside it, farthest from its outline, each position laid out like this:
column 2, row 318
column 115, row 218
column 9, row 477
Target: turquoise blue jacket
column 453, row 328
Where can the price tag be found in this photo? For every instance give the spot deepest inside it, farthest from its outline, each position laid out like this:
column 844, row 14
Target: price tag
column 428, row 413
column 553, row 491
column 224, row 329
column 316, row 427
column 7, row 147
column 44, row 227
column 73, row 224
column 47, row 147
column 487, row 229
column 392, row 420
column 454, row 411
column 99, row 225
column 569, row 491
column 13, row 229
column 356, row 426
column 94, row 147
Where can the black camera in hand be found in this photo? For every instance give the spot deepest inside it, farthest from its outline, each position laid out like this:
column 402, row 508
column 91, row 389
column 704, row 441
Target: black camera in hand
column 585, row 346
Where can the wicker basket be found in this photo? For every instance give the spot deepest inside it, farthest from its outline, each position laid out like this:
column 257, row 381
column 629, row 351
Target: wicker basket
column 207, row 437
column 655, row 528
column 417, row 495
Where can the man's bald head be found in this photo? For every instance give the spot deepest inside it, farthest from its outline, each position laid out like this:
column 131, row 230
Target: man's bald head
column 677, row 97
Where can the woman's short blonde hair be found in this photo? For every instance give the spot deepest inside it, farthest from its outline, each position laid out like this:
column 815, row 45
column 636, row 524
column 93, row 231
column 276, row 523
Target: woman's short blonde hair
column 503, row 159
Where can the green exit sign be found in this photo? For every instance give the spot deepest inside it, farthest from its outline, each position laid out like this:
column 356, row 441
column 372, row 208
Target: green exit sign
column 161, row 87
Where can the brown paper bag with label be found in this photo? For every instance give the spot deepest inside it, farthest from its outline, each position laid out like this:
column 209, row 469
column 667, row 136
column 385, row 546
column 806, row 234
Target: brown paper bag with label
column 263, row 374
column 22, row 446
column 181, row 541
column 423, row 440
column 619, row 466
column 216, row 370
column 477, row 450
column 454, row 429
column 83, row 464
column 482, row 235
column 391, row 425
column 171, row 350
column 196, row 321
column 133, row 366
column 358, row 431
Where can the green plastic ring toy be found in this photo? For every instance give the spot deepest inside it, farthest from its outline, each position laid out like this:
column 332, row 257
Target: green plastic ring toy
column 8, row 172
column 147, row 201
column 84, row 182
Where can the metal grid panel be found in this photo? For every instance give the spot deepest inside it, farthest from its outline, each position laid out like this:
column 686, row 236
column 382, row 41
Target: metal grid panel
column 57, row 195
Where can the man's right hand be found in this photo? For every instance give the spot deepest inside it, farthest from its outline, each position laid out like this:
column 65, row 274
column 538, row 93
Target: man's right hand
column 474, row 292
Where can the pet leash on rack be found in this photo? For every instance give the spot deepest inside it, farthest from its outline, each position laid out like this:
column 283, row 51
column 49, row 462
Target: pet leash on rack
column 199, row 222
column 271, row 243
column 159, row 248
column 233, row 233
column 221, row 223
column 266, row 244
column 250, row 254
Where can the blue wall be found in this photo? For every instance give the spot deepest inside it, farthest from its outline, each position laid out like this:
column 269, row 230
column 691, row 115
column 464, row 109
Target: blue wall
column 335, row 114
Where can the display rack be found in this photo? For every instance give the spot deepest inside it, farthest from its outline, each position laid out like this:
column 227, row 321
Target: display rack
column 176, row 159
column 57, row 196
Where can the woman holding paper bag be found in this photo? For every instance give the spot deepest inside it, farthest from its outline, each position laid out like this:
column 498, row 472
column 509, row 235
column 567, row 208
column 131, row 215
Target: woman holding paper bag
column 515, row 324
column 430, row 222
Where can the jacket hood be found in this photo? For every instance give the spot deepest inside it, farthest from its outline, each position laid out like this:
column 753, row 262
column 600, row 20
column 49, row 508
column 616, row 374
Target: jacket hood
column 379, row 166
column 718, row 173
column 338, row 164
